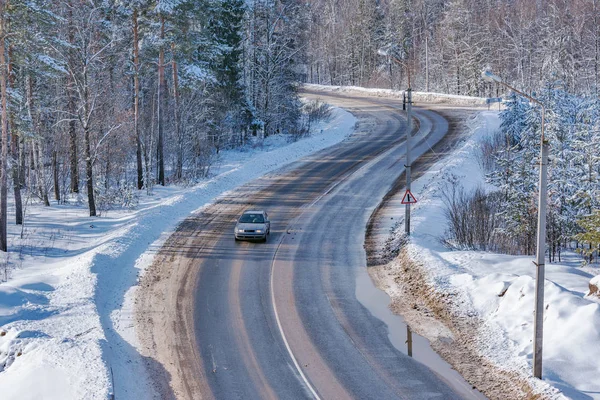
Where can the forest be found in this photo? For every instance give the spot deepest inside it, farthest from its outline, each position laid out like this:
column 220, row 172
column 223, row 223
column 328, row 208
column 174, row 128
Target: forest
column 104, row 98
column 445, row 44
column 572, row 131
column 504, row 219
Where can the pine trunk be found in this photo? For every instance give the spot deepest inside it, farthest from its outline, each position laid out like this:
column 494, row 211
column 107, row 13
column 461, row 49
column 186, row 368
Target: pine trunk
column 23, row 162
column 41, row 176
column 87, row 142
column 55, row 173
column 179, row 169
column 4, row 123
column 14, row 151
column 36, row 154
column 162, row 85
column 136, row 101
column 89, row 171
column 72, row 112
column 16, row 174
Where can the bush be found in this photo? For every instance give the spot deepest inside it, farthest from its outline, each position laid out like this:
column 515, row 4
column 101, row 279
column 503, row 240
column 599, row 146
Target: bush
column 314, row 111
column 123, row 196
column 489, row 148
column 471, row 217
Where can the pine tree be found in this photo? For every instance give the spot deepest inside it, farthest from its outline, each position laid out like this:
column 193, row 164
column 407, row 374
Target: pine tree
column 516, row 176
column 134, row 11
column 17, row 51
column 225, row 28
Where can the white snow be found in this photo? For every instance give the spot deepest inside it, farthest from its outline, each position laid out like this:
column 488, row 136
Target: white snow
column 417, row 97
column 499, row 289
column 66, row 311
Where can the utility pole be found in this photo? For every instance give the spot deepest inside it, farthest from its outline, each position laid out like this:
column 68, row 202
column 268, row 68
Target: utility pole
column 538, row 323
column 426, row 65
column 408, row 165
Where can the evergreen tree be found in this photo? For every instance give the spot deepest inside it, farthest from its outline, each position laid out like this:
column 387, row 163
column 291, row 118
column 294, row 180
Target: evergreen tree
column 516, row 176
column 225, row 31
column 573, row 186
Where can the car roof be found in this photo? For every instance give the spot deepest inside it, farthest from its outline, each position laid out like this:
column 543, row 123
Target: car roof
column 254, row 212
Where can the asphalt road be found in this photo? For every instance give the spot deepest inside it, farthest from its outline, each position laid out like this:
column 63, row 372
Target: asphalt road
column 280, row 320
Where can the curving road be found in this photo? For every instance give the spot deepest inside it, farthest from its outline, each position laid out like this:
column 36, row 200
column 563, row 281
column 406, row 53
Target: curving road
column 281, row 320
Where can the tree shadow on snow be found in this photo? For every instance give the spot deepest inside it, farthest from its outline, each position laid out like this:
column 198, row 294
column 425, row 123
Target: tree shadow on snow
column 133, row 375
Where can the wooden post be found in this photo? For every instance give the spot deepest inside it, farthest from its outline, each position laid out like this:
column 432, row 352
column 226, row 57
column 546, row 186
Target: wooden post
column 409, row 340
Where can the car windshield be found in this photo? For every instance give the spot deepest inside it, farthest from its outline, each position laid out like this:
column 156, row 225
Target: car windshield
column 252, row 219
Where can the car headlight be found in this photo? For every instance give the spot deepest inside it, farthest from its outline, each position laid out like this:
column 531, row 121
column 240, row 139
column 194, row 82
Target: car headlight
column 240, row 230
column 259, row 231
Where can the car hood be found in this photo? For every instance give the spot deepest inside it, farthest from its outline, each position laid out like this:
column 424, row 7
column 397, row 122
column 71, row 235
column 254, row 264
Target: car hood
column 247, row 226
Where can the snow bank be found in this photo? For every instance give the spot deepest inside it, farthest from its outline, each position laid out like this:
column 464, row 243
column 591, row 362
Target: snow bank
column 418, row 97
column 66, row 313
column 500, row 289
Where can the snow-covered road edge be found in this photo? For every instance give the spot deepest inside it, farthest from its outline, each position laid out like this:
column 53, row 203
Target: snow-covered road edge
column 69, row 323
column 418, row 97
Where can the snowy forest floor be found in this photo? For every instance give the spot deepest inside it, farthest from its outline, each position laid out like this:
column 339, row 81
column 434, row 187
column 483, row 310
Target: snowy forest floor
column 476, row 308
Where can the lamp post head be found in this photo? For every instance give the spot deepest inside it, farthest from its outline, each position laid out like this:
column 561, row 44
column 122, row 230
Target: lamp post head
column 488, row 76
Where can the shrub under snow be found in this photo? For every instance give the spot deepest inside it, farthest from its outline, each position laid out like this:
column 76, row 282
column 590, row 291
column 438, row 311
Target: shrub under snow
column 595, row 287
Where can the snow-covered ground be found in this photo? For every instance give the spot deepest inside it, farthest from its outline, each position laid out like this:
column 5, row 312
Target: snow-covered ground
column 66, row 323
column 500, row 289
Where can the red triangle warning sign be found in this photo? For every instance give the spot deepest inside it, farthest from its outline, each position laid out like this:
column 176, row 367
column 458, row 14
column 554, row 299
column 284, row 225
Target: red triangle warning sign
column 408, row 198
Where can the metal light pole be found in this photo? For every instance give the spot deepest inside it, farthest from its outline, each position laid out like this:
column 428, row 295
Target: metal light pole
column 408, row 165
column 538, row 326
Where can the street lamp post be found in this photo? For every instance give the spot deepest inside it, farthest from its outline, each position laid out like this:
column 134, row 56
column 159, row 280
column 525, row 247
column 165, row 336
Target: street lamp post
column 408, row 165
column 538, row 326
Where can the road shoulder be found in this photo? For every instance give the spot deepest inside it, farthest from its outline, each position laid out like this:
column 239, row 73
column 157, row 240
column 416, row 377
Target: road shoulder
column 428, row 312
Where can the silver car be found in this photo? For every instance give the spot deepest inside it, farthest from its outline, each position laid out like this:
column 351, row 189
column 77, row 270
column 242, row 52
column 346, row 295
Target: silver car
column 253, row 224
